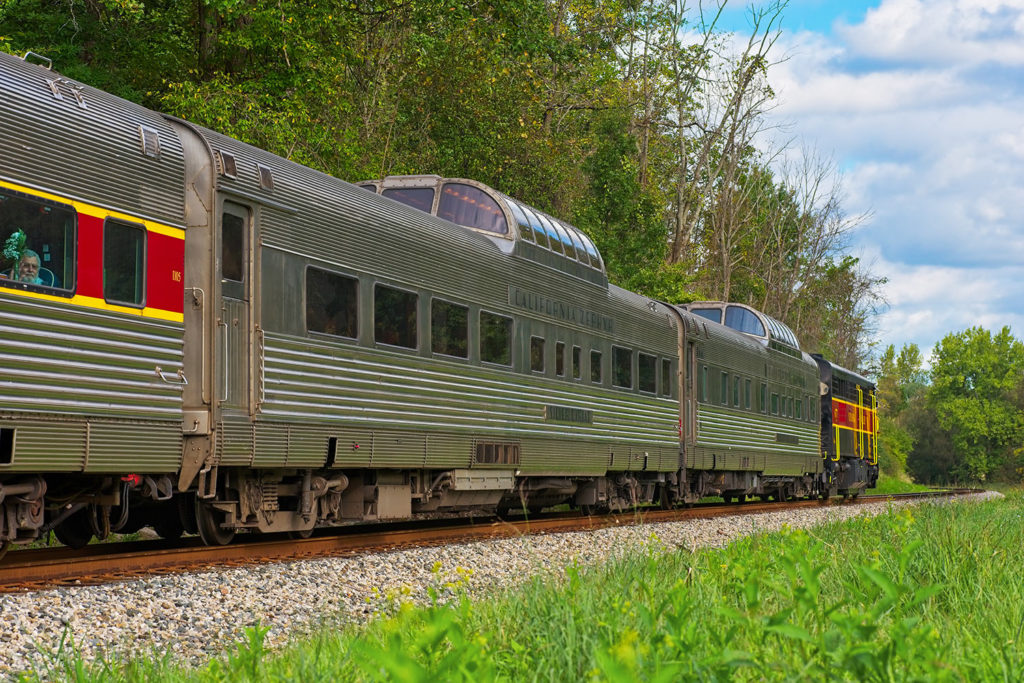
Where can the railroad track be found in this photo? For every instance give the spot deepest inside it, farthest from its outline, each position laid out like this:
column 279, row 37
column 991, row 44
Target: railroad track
column 26, row 570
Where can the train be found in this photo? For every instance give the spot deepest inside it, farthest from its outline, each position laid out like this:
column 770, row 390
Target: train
column 200, row 336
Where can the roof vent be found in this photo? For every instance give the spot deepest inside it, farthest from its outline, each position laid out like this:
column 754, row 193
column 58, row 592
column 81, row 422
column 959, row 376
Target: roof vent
column 80, row 98
column 150, row 140
column 266, row 178
column 226, row 165
column 55, row 89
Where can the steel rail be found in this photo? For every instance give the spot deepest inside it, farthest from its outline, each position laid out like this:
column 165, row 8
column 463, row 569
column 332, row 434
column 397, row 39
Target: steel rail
column 34, row 569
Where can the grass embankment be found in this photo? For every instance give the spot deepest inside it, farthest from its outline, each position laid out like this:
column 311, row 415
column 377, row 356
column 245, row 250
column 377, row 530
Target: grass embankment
column 887, row 484
column 928, row 593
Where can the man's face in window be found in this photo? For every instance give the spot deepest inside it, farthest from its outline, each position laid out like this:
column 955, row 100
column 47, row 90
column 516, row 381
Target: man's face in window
column 28, row 268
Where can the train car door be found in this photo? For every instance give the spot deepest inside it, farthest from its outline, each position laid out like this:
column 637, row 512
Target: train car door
column 234, row 321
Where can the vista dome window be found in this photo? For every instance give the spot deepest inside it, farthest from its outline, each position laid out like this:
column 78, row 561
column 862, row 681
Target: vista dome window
column 469, row 206
column 421, row 198
column 742, row 320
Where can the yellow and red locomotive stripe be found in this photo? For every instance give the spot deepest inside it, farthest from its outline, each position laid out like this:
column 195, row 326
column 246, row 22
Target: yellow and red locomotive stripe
column 165, row 261
column 862, row 421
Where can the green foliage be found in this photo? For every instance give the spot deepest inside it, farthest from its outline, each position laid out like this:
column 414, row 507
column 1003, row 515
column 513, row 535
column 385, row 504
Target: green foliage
column 975, row 380
column 926, row 593
column 901, row 386
column 594, row 111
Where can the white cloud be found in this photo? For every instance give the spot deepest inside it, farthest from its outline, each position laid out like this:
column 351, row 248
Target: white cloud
column 922, row 105
column 929, row 302
column 951, row 32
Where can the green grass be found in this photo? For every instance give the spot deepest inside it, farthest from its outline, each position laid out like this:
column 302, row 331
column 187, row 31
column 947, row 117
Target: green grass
column 887, row 484
column 926, row 593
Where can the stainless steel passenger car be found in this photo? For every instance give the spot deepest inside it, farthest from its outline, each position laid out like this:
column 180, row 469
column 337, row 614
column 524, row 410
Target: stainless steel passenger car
column 230, row 341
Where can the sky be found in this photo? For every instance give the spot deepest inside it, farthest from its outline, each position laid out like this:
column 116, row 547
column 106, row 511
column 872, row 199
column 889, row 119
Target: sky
column 920, row 103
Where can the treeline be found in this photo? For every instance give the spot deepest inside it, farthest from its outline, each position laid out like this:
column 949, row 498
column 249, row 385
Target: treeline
column 638, row 120
column 960, row 421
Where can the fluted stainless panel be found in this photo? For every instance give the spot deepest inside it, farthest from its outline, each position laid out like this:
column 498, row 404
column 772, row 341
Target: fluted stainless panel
column 134, row 447
column 45, row 446
column 57, row 358
column 387, row 391
column 100, row 142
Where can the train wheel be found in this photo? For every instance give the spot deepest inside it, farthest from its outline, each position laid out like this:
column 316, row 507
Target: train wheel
column 304, row 533
column 75, row 531
column 208, row 520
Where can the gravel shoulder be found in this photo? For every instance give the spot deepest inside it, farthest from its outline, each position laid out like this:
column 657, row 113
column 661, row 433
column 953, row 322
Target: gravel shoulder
column 193, row 617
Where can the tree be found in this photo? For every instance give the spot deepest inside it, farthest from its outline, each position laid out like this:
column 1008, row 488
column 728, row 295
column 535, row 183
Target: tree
column 901, row 386
column 975, row 385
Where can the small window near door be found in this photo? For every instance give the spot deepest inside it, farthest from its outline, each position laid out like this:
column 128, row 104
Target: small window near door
column 576, row 360
column 595, row 367
column 232, row 247
column 647, row 367
column 560, row 359
column 124, row 263
column 537, row 354
column 667, row 378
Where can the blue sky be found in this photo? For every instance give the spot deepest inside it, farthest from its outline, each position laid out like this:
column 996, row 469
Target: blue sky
column 920, row 103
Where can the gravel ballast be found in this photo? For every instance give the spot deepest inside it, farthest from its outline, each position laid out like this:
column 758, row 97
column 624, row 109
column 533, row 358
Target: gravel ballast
column 200, row 615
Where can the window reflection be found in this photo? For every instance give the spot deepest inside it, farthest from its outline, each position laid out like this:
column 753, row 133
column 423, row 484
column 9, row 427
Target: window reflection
column 472, row 207
column 421, row 198
column 37, row 241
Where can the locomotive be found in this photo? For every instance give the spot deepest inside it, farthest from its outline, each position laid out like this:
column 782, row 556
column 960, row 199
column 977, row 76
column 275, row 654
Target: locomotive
column 199, row 336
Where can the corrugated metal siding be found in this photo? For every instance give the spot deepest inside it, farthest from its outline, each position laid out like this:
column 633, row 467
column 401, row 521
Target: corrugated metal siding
column 42, row 446
column 94, row 446
column 720, row 427
column 41, row 138
column 134, row 447
column 389, row 393
column 80, row 364
column 236, row 443
column 57, row 358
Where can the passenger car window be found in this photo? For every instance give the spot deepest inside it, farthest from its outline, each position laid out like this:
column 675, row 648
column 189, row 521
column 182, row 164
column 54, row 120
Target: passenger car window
column 576, row 360
column 595, row 367
column 232, row 247
column 394, row 316
column 470, row 206
column 449, row 328
column 560, row 359
column 332, row 303
column 723, row 393
column 40, row 235
column 537, row 354
column 622, row 367
column 124, row 263
column 647, row 367
column 742, row 320
column 667, row 379
column 495, row 338
column 713, row 314
column 421, row 198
